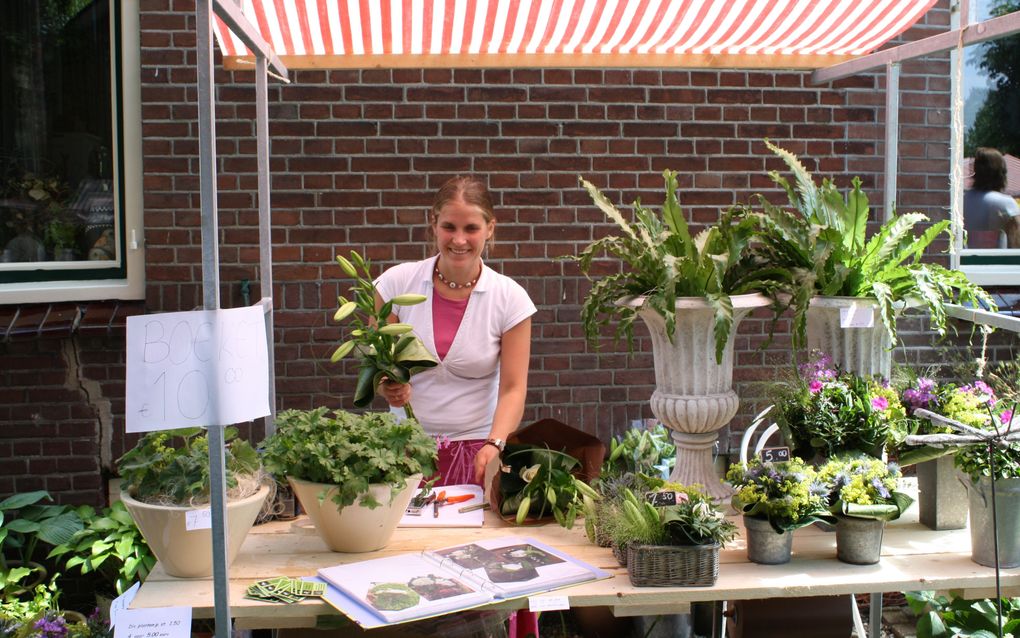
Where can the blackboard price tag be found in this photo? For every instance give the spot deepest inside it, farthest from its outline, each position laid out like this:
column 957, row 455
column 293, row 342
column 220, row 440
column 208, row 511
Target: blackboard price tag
column 661, row 499
column 775, row 454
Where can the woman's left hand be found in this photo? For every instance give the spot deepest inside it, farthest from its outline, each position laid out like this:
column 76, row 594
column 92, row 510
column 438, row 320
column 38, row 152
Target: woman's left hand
column 484, row 456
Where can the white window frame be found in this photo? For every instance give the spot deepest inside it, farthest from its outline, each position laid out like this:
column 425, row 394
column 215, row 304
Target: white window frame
column 132, row 286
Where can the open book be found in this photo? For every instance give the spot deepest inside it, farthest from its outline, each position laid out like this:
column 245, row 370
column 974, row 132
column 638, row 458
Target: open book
column 395, row 589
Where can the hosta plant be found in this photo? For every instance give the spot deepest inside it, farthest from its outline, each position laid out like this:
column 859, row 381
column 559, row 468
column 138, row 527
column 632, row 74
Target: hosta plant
column 663, row 261
column 386, row 350
column 824, row 248
column 350, row 451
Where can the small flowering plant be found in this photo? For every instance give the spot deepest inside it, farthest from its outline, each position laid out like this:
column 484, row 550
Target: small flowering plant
column 693, row 520
column 538, row 481
column 787, row 494
column 864, row 487
column 825, row 412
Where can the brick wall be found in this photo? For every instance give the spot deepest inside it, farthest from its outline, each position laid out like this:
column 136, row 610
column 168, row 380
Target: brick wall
column 356, row 156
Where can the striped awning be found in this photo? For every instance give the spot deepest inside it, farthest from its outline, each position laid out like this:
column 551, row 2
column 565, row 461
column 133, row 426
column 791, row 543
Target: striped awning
column 542, row 33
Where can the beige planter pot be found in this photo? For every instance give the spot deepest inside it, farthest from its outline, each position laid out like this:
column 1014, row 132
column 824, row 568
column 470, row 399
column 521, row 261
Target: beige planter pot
column 188, row 554
column 694, row 394
column 865, row 351
column 354, row 528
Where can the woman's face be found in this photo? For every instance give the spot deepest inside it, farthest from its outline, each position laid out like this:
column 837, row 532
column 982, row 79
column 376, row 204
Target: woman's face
column 461, row 232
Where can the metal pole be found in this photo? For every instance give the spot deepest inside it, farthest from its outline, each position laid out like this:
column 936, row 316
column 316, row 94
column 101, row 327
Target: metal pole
column 892, row 135
column 211, row 300
column 265, row 223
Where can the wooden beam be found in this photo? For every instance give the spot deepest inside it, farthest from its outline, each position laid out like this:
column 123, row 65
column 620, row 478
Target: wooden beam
column 232, row 16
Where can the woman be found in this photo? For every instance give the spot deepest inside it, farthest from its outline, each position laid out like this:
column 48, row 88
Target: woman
column 478, row 324
column 990, row 216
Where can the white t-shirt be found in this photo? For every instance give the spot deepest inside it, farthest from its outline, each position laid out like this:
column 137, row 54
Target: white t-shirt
column 457, row 398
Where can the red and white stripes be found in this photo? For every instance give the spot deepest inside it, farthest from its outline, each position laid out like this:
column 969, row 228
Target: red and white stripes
column 574, row 27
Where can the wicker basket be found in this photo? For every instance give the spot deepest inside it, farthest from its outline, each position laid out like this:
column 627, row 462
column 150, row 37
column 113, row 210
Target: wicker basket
column 673, row 565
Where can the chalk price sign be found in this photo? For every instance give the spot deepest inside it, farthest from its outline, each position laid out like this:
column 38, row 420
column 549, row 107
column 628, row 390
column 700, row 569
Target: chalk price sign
column 208, row 367
column 774, row 454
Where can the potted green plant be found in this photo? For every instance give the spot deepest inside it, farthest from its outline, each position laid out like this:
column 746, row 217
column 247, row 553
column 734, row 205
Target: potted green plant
column 353, row 473
column 25, row 521
column 701, row 286
column 672, row 535
column 109, row 545
column 165, row 476
column 538, row 481
column 832, row 265
column 61, row 236
column 863, row 496
column 952, row 616
column 640, row 449
column 775, row 499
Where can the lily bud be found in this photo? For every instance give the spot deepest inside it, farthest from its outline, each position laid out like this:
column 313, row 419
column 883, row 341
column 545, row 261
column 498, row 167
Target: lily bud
column 344, row 311
column 347, row 266
column 395, row 329
column 408, row 299
column 341, row 352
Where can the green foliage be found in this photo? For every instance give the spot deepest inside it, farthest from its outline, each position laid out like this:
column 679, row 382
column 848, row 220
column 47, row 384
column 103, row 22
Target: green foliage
column 662, row 262
column 388, row 350
column 350, row 451
column 787, row 494
column 648, row 451
column 24, row 522
column 110, row 544
column 19, row 610
column 540, row 482
column 174, row 465
column 951, row 616
column 864, row 487
column 824, row 250
column 694, row 520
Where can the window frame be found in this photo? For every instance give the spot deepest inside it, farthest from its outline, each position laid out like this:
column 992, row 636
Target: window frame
column 127, row 182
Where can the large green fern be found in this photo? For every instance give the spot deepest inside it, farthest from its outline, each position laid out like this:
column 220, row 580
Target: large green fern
column 823, row 249
column 663, row 261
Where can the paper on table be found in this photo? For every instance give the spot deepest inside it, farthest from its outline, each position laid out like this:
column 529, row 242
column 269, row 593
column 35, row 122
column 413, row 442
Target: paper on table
column 449, row 515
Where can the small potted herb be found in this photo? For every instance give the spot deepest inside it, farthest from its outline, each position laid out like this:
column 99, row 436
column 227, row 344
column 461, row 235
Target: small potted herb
column 776, row 498
column 353, row 473
column 166, row 476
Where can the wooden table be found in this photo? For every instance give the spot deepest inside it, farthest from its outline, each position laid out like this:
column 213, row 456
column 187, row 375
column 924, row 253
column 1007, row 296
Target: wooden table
column 913, row 558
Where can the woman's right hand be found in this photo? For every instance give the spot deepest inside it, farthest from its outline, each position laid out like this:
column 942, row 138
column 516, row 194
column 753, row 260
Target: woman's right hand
column 396, row 394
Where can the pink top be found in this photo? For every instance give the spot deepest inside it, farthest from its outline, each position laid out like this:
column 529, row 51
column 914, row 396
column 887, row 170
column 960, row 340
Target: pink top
column 446, row 316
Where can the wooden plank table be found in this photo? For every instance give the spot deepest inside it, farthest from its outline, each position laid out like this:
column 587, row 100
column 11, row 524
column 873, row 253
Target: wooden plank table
column 913, row 558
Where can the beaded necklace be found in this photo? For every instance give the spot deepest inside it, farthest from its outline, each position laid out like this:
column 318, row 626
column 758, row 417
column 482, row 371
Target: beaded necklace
column 453, row 284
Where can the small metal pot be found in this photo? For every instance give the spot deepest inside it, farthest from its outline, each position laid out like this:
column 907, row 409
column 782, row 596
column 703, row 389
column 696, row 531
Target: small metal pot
column 859, row 540
column 764, row 544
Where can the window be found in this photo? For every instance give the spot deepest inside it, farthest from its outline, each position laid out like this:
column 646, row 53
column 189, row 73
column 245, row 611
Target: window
column 70, row 151
column 990, row 246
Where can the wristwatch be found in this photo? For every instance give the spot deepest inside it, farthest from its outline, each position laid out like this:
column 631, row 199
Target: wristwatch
column 499, row 444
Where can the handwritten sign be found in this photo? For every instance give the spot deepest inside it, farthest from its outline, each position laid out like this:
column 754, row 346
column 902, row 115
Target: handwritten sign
column 198, row 519
column 157, row 622
column 775, row 454
column 121, row 603
column 661, row 499
column 207, row 367
column 548, row 603
column 856, row 316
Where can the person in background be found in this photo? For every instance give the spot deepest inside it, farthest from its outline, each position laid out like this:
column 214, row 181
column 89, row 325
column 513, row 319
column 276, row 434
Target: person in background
column 478, row 324
column 990, row 217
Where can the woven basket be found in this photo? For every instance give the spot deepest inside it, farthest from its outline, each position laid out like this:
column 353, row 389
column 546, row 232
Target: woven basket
column 673, row 565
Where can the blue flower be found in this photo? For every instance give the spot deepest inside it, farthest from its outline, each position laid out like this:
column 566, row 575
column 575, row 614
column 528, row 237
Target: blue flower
column 880, row 488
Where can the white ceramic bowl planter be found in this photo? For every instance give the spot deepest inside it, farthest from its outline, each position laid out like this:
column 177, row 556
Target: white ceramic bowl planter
column 355, row 528
column 188, row 554
column 694, row 394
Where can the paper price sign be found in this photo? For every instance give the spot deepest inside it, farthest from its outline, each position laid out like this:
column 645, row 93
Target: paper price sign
column 857, row 317
column 158, row 622
column 548, row 603
column 198, row 519
column 208, row 367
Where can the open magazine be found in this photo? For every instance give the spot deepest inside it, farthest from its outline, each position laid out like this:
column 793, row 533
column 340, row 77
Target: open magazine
column 395, row 589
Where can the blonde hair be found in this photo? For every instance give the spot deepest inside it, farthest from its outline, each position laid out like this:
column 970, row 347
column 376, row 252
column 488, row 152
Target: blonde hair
column 468, row 189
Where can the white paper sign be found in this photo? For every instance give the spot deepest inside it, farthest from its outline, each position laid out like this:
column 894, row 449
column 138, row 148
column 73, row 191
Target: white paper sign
column 857, row 317
column 198, row 519
column 207, row 367
column 548, row 603
column 120, row 603
column 157, row 622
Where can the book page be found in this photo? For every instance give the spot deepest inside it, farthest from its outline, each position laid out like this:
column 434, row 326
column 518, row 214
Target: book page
column 398, row 588
column 515, row 566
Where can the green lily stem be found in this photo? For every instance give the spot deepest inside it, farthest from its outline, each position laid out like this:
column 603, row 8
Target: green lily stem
column 408, row 411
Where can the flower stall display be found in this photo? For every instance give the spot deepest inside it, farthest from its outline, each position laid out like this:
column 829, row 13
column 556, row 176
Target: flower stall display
column 825, row 411
column 863, row 495
column 775, row 499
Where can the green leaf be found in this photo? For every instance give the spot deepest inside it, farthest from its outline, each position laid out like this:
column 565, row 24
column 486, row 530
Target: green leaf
column 24, row 499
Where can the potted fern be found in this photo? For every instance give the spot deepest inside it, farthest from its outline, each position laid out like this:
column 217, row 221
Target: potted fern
column 691, row 291
column 834, row 269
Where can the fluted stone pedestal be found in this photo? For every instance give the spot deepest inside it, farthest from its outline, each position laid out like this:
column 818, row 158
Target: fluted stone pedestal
column 694, row 394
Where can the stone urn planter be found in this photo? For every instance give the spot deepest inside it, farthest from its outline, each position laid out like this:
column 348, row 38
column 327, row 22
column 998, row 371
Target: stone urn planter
column 694, row 394
column 354, row 528
column 1007, row 517
column 864, row 351
column 188, row 554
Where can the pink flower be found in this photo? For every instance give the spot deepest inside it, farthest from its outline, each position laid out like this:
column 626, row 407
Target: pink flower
column 1006, row 416
column 815, row 386
column 682, row 497
column 880, row 403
